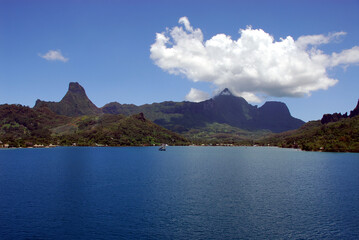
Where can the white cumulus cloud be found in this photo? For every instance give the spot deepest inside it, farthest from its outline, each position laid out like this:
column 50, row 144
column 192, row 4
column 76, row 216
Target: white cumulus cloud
column 196, row 95
column 252, row 65
column 54, row 55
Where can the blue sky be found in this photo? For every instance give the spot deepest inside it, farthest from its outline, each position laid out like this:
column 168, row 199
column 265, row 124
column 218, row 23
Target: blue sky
column 106, row 47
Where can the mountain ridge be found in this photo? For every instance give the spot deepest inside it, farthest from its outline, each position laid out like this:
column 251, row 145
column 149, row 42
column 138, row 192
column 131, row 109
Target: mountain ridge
column 181, row 117
column 334, row 117
column 223, row 108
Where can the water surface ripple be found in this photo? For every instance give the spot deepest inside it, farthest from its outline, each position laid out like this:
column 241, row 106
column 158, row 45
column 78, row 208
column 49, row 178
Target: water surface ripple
column 183, row 193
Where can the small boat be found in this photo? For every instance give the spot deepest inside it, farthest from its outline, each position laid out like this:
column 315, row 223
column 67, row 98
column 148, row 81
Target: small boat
column 162, row 148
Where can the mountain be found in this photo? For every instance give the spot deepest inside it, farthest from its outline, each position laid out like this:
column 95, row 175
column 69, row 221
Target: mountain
column 225, row 115
column 327, row 118
column 355, row 111
column 74, row 103
column 22, row 126
column 275, row 116
column 333, row 133
column 225, row 108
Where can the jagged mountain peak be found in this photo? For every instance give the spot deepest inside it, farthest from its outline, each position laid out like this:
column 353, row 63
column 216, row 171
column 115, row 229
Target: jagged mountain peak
column 75, row 91
column 75, row 87
column 225, row 97
column 327, row 118
column 355, row 111
column 225, row 92
column 74, row 103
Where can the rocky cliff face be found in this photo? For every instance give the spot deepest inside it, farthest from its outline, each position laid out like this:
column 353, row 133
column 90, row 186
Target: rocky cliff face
column 74, row 103
column 327, row 118
column 224, row 108
column 276, row 117
column 355, row 111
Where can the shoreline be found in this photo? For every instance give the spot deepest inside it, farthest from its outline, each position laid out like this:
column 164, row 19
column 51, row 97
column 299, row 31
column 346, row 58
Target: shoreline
column 192, row 145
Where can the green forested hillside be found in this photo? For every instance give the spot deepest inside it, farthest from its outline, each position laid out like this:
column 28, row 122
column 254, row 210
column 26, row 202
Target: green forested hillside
column 340, row 136
column 22, row 126
column 217, row 133
column 115, row 130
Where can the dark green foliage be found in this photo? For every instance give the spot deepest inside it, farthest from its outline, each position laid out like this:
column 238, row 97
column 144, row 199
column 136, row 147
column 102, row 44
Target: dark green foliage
column 340, row 136
column 24, row 127
column 117, row 130
column 20, row 126
column 223, row 134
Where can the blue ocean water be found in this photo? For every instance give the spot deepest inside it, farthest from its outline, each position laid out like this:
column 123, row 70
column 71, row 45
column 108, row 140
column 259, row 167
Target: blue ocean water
column 183, row 193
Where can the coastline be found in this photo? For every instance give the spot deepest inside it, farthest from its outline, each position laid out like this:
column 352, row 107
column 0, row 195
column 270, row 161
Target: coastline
column 191, row 145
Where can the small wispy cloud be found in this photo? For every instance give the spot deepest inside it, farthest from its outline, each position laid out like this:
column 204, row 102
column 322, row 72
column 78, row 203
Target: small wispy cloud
column 54, row 55
column 196, row 95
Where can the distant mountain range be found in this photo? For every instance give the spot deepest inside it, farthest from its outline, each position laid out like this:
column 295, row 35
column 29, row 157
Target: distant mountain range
column 182, row 117
column 223, row 119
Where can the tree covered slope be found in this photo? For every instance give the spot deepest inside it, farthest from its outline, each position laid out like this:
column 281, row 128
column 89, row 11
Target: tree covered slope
column 22, row 126
column 333, row 133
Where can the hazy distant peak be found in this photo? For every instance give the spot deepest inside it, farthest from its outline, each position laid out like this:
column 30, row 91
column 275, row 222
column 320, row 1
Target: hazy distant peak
column 225, row 92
